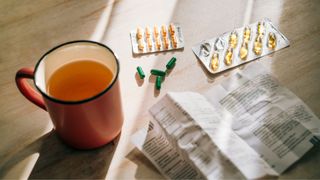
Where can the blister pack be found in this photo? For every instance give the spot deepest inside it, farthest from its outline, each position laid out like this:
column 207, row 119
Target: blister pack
column 147, row 40
column 240, row 46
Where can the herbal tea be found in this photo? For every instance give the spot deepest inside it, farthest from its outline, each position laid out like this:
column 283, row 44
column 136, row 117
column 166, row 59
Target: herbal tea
column 79, row 80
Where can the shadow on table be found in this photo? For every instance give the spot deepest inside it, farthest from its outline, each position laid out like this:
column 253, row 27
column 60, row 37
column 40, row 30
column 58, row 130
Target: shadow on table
column 145, row 169
column 57, row 160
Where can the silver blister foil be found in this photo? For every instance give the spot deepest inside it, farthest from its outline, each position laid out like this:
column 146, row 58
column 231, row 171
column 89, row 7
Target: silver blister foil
column 221, row 46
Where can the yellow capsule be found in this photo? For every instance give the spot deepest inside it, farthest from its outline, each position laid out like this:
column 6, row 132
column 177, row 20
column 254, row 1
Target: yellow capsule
column 171, row 28
column 257, row 46
column 174, row 41
column 272, row 41
column 214, row 61
column 260, row 28
column 149, row 43
column 164, row 30
column 140, row 44
column 166, row 42
column 228, row 57
column 155, row 31
column 158, row 43
column 139, row 33
column 233, row 39
column 246, row 33
column 244, row 50
column 148, row 32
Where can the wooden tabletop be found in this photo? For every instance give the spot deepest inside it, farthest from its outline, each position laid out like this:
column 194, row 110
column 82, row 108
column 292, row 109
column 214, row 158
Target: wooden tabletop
column 28, row 145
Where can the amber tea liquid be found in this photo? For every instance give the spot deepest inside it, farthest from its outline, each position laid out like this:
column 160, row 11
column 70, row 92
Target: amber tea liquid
column 79, row 80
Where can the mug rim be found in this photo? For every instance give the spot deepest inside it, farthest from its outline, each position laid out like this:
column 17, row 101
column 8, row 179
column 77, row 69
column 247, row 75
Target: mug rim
column 86, row 99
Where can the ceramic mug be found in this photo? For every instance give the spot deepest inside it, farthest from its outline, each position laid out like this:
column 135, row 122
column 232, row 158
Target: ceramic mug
column 86, row 123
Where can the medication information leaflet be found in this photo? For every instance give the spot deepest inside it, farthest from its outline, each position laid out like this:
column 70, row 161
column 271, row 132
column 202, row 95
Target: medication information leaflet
column 248, row 124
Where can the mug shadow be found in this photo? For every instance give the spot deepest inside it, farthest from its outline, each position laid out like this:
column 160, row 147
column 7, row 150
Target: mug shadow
column 59, row 161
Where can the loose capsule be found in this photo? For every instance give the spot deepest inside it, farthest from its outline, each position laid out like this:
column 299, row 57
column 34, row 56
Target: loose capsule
column 140, row 72
column 244, row 50
column 257, row 46
column 228, row 57
column 272, row 41
column 214, row 61
column 149, row 43
column 260, row 28
column 166, row 42
column 246, row 33
column 233, row 39
column 158, row 43
column 158, row 82
column 171, row 63
column 157, row 72
column 171, row 28
column 140, row 44
column 174, row 41
column 155, row 31
column 148, row 32
column 139, row 33
column 164, row 30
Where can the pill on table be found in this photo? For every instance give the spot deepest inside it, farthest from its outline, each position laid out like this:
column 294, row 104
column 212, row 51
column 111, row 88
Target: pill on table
column 257, row 46
column 140, row 44
column 155, row 31
column 148, row 32
column 171, row 63
column 233, row 39
column 272, row 41
column 228, row 57
column 246, row 33
column 158, row 82
column 157, row 72
column 140, row 72
column 244, row 50
column 139, row 33
column 172, row 29
column 164, row 30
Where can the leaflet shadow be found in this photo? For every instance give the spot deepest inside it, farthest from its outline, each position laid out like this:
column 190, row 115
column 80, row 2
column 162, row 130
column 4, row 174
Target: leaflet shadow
column 305, row 167
column 145, row 169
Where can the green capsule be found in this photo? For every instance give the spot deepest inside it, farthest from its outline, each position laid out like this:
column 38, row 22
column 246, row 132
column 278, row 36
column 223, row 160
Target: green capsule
column 171, row 63
column 157, row 72
column 158, row 82
column 140, row 72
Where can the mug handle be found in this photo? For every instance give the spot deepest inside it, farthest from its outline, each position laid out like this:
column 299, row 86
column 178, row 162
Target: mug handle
column 25, row 88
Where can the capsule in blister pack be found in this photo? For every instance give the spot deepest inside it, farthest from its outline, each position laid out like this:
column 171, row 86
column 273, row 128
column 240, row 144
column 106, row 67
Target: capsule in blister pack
column 160, row 39
column 240, row 46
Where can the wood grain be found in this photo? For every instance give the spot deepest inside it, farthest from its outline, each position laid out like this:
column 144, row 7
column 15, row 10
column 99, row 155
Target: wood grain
column 28, row 28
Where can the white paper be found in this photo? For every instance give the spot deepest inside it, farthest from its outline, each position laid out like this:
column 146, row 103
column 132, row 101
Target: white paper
column 270, row 118
column 246, row 127
column 204, row 131
column 167, row 159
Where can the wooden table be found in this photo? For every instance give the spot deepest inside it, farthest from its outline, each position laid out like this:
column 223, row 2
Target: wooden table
column 28, row 28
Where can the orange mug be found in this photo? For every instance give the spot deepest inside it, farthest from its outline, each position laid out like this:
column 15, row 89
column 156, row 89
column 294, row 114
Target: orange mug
column 83, row 123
